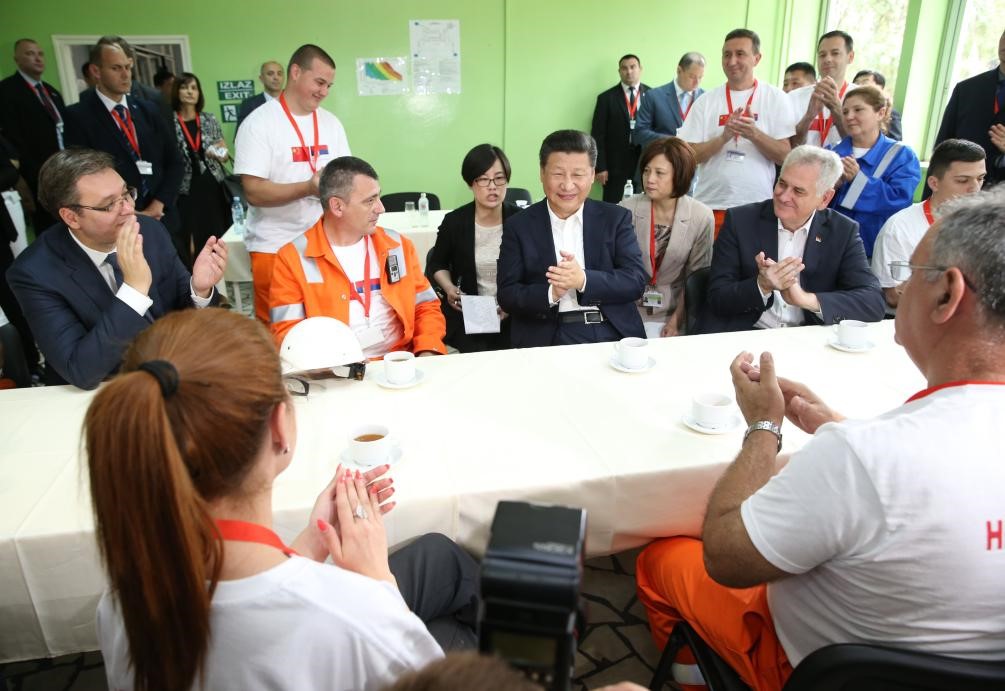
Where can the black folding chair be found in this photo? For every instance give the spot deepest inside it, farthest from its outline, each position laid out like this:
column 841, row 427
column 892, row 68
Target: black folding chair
column 396, row 200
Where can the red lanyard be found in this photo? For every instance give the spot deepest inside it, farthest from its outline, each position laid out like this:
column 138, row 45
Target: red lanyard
column 128, row 129
column 197, row 142
column 353, row 295
column 962, row 382
column 312, row 155
column 633, row 106
column 652, row 244
column 746, row 108
column 927, row 208
column 243, row 531
column 683, row 113
column 825, row 125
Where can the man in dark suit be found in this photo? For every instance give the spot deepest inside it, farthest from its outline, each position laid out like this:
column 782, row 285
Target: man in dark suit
column 570, row 269
column 271, row 75
column 790, row 260
column 614, row 119
column 976, row 112
column 95, row 280
column 31, row 117
column 133, row 131
column 664, row 108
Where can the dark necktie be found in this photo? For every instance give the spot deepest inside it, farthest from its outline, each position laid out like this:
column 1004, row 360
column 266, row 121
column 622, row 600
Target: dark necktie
column 631, row 97
column 46, row 102
column 113, row 261
column 120, row 110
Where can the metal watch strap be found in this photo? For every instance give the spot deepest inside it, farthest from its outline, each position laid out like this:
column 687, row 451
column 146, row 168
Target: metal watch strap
column 767, row 426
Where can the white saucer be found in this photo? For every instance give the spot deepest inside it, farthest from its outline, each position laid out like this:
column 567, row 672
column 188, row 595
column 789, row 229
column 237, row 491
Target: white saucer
column 347, row 460
column 613, row 362
column 837, row 345
column 733, row 423
column 381, row 379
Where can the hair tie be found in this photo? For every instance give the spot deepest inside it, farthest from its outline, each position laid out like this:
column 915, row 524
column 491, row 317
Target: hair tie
column 165, row 374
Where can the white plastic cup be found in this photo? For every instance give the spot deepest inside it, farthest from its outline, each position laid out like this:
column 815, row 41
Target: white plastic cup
column 633, row 353
column 711, row 410
column 370, row 444
column 410, row 213
column 853, row 333
column 399, row 367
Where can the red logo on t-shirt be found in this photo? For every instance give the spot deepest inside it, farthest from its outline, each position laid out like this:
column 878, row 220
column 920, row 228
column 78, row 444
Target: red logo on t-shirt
column 301, row 155
column 995, row 535
column 723, row 119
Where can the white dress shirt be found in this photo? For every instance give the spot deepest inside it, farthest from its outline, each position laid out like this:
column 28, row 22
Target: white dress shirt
column 781, row 313
column 109, row 103
column 568, row 236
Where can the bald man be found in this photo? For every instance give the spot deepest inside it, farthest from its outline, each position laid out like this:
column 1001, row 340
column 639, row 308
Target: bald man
column 271, row 75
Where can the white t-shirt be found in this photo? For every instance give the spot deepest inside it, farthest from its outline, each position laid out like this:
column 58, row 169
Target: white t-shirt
column 300, row 625
column 894, row 526
column 727, row 180
column 800, row 99
column 351, row 259
column 266, row 147
column 896, row 241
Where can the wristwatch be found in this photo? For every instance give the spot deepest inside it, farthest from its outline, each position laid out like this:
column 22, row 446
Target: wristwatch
column 767, row 426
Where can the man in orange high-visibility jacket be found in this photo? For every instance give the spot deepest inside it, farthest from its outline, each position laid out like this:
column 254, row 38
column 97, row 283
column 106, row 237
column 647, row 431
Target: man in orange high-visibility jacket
column 346, row 267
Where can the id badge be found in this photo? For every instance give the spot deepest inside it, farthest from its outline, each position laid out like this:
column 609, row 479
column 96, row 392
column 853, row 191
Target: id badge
column 145, row 167
column 369, row 336
column 631, row 124
column 652, row 298
column 735, row 156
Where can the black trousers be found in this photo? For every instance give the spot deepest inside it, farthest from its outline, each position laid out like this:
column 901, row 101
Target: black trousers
column 573, row 334
column 439, row 582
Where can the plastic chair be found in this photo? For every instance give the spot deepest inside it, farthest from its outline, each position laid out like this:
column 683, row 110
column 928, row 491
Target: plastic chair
column 844, row 667
column 396, row 200
column 695, row 294
column 515, row 194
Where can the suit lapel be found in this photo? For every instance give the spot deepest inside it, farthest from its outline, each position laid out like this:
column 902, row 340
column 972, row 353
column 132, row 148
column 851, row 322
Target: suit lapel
column 815, row 239
column 103, row 116
column 82, row 270
column 767, row 232
column 592, row 234
column 674, row 107
column 543, row 238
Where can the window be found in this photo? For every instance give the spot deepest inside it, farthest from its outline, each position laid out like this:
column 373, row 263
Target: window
column 977, row 47
column 878, row 28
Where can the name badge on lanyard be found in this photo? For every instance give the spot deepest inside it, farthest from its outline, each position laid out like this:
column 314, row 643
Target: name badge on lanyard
column 367, row 335
column 652, row 297
column 145, row 167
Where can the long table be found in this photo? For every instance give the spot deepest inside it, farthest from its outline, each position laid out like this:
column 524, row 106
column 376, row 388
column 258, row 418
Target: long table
column 556, row 425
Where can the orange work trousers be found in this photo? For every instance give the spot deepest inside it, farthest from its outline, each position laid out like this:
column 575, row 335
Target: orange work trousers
column 735, row 622
column 261, row 275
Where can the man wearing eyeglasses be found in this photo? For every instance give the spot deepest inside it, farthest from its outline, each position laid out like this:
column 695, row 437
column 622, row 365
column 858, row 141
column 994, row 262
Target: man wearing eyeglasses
column 957, row 169
column 93, row 282
column 347, row 267
column 885, row 531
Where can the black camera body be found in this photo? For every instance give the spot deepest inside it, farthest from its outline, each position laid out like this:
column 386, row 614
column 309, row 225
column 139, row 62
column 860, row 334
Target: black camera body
column 530, row 579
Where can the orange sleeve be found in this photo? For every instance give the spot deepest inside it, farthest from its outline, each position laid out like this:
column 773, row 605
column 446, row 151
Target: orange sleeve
column 286, row 294
column 430, row 325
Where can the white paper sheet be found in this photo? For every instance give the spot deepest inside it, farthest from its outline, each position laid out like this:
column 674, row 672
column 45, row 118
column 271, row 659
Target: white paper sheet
column 480, row 314
column 436, row 55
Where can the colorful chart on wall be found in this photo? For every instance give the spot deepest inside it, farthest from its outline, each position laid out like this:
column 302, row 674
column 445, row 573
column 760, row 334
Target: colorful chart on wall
column 381, row 76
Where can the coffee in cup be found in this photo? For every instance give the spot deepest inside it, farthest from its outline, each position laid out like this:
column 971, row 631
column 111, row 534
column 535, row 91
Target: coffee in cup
column 369, row 444
column 399, row 367
column 633, row 353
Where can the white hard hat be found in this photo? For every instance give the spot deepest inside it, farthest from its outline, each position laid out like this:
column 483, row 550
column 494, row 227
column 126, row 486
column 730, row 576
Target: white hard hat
column 318, row 346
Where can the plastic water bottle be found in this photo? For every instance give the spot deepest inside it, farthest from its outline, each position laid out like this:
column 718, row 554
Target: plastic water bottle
column 237, row 214
column 423, row 210
column 629, row 190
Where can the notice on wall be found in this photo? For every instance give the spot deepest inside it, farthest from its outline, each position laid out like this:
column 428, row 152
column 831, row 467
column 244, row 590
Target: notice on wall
column 228, row 112
column 436, row 55
column 381, row 76
column 235, row 89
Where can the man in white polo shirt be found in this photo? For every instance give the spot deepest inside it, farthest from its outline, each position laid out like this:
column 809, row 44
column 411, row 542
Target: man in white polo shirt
column 957, row 168
column 818, row 106
column 739, row 131
column 885, row 531
column 281, row 149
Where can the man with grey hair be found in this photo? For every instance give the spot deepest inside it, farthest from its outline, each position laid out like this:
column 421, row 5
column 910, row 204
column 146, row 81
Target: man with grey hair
column 347, row 267
column 570, row 268
column 790, row 260
column 666, row 108
column 885, row 531
column 103, row 274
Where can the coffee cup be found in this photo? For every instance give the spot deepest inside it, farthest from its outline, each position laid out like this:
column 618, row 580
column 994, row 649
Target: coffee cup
column 711, row 410
column 370, row 444
column 853, row 333
column 399, row 367
column 633, row 353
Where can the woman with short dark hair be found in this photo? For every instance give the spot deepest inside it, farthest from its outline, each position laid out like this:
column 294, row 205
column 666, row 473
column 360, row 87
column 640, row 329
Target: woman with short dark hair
column 674, row 233
column 467, row 246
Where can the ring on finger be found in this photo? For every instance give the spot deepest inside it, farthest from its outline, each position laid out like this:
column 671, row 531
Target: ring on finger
column 359, row 512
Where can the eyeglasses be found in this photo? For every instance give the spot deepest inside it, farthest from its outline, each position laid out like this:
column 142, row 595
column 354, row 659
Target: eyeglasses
column 901, row 271
column 129, row 196
column 498, row 181
column 297, row 386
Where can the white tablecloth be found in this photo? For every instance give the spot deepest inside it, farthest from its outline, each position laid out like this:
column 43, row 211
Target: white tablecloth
column 555, row 425
column 422, row 235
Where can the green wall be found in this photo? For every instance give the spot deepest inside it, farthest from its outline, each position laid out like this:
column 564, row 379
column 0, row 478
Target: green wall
column 528, row 67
